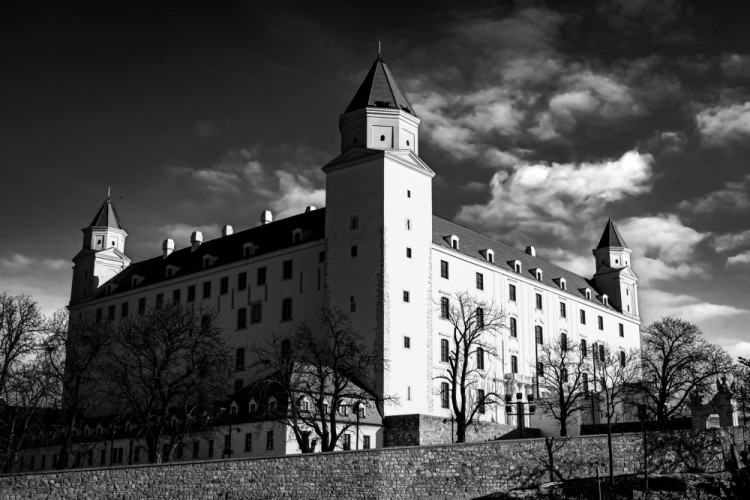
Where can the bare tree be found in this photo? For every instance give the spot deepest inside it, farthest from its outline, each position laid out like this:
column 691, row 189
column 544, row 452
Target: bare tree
column 616, row 371
column 23, row 388
column 678, row 364
column 562, row 369
column 164, row 367
column 314, row 373
column 476, row 324
column 74, row 355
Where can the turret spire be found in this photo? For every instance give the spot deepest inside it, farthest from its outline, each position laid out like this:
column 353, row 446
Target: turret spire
column 380, row 90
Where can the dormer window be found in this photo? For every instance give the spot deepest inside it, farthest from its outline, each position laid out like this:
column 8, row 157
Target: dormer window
column 516, row 265
column 171, row 270
column 136, row 280
column 297, row 235
column 233, row 408
column 271, row 404
column 208, row 261
column 248, row 249
column 587, row 293
column 488, row 254
column 453, row 241
column 537, row 274
column 605, row 299
column 561, row 283
column 252, row 406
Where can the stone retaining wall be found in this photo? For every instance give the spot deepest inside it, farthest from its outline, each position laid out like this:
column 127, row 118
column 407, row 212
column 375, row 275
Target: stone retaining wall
column 427, row 430
column 447, row 471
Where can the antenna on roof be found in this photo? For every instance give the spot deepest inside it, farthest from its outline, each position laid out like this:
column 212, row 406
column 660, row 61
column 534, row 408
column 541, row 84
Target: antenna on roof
column 378, row 48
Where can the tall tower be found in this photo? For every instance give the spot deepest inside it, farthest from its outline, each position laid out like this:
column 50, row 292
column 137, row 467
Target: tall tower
column 103, row 253
column 614, row 275
column 379, row 236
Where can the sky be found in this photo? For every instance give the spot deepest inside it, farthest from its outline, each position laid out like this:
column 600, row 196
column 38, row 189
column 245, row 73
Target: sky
column 541, row 119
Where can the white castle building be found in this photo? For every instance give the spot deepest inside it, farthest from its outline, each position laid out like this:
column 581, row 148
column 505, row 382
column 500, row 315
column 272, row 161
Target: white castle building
column 378, row 252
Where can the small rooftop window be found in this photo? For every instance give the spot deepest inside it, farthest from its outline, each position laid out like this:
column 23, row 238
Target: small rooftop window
column 516, row 265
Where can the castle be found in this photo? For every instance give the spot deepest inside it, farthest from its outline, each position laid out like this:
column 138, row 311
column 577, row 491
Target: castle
column 379, row 253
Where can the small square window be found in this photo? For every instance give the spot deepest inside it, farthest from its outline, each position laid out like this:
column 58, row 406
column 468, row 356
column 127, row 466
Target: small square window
column 407, row 342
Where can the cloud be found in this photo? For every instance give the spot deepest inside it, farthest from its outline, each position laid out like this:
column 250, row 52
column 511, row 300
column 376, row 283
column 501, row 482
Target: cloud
column 206, row 129
column 731, row 241
column 657, row 303
column 554, row 198
column 735, row 65
column 739, row 259
column 45, row 279
column 723, row 124
column 732, row 197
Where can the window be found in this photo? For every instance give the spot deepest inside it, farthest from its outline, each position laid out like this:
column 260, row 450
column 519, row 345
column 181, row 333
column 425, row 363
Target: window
column 408, row 191
column 111, row 313
column 224, row 285
column 407, row 342
column 206, row 289
column 240, row 359
column 408, row 256
column 583, row 317
column 563, row 285
column 600, row 322
column 514, row 364
column 242, row 281
column 605, row 300
column 142, row 305
column 444, row 352
column 353, row 251
column 622, row 358
column 538, row 274
column 588, row 293
column 241, row 318
column 444, row 308
column 261, row 277
column 99, row 315
column 444, row 394
column 622, row 329
column 124, row 309
column 347, row 444
column 563, row 342
column 353, row 222
column 287, row 269
column 585, row 377
column 286, row 309
column 517, row 266
column 159, row 300
column 454, row 243
column 248, row 441
column 539, row 301
column 443, row 269
column 191, row 293
column 584, row 348
column 480, row 281
column 601, row 352
column 563, row 310
column 341, row 410
column 256, row 312
column 512, row 293
column 408, row 393
column 196, row 449
column 365, row 442
column 540, row 369
column 227, row 443
column 539, row 334
column 408, row 225
column 513, row 327
column 480, row 400
column 210, row 448
column 480, row 318
column 480, row 358
column 176, row 296
column 406, row 296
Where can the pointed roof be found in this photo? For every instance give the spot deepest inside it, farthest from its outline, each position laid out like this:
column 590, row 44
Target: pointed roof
column 106, row 216
column 611, row 237
column 380, row 90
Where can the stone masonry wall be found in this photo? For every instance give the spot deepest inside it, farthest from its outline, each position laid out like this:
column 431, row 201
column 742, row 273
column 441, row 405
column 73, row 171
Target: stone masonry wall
column 448, row 471
column 427, row 430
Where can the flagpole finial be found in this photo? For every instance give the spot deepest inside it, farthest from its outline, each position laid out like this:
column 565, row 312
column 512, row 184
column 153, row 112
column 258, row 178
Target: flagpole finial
column 378, row 48
column 108, row 192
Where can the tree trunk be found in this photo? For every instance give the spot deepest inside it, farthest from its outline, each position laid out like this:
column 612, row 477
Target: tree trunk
column 563, row 427
column 611, row 457
column 460, row 431
column 549, row 443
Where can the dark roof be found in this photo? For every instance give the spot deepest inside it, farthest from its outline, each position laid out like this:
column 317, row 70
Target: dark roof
column 227, row 249
column 471, row 243
column 380, row 90
column 611, row 237
column 106, row 216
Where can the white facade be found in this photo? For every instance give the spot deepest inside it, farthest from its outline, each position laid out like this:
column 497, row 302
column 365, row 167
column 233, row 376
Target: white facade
column 376, row 252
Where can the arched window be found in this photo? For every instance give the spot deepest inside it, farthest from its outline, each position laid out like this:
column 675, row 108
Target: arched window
column 240, row 359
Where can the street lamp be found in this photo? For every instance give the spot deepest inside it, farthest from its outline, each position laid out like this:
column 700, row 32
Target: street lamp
column 520, row 405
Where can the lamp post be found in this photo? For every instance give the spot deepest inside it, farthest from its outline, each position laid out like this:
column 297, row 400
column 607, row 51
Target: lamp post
column 520, row 407
column 357, row 407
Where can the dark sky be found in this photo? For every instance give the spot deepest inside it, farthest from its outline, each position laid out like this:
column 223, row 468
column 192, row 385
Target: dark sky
column 541, row 119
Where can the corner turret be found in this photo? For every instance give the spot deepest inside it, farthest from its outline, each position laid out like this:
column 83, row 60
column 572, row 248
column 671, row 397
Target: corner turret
column 614, row 276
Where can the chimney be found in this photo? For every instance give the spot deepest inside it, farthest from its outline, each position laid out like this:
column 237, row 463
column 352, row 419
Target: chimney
column 227, row 230
column 266, row 216
column 195, row 240
column 167, row 247
column 531, row 251
column 310, row 208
